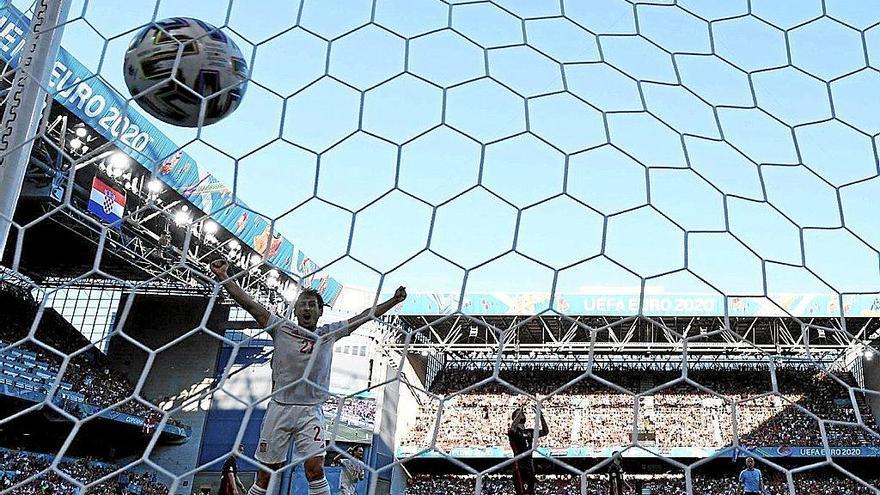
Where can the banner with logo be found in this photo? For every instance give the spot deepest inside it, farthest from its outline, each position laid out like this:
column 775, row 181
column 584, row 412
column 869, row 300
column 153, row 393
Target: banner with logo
column 782, row 305
column 675, row 452
column 815, row 451
column 107, row 112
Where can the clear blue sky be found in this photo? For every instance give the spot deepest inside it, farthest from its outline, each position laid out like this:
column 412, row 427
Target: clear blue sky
column 622, row 130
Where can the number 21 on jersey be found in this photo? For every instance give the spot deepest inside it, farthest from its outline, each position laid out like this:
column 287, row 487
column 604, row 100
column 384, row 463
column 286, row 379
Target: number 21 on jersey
column 307, row 346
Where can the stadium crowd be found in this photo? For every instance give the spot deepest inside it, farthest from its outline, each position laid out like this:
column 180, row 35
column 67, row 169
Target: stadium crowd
column 17, row 466
column 584, row 412
column 434, row 484
column 88, row 373
column 824, row 483
column 360, row 412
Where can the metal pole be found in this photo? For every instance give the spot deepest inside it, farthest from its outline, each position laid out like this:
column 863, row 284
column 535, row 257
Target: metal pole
column 24, row 106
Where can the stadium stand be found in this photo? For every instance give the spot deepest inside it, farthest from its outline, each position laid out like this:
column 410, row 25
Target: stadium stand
column 20, row 465
column 355, row 412
column 89, row 377
column 589, row 413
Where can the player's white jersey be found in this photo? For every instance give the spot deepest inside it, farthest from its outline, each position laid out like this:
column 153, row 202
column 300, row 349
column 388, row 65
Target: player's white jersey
column 294, row 350
column 352, row 472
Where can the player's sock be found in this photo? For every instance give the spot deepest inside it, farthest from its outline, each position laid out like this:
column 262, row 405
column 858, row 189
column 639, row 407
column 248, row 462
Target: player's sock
column 255, row 490
column 319, row 487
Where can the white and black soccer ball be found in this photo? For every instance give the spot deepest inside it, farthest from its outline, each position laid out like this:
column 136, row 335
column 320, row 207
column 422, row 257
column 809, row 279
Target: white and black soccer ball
column 208, row 71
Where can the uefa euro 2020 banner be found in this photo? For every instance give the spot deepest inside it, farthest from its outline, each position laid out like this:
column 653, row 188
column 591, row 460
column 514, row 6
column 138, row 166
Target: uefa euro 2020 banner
column 652, row 304
column 675, row 452
column 103, row 109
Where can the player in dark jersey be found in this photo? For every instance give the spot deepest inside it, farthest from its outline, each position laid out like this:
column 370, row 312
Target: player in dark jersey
column 521, row 440
column 229, row 482
column 616, row 481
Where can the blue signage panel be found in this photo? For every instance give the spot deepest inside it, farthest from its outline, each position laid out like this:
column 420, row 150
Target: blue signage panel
column 675, row 452
column 797, row 305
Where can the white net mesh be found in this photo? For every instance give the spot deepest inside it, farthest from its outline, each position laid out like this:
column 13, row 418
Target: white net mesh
column 652, row 222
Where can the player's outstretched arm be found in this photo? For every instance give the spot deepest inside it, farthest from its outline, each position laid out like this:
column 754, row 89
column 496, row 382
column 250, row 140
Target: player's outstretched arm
column 517, row 418
column 260, row 313
column 544, row 431
column 381, row 308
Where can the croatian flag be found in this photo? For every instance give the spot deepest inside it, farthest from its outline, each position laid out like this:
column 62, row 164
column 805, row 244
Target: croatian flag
column 105, row 202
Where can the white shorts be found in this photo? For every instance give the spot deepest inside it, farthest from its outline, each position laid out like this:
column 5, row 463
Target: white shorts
column 305, row 424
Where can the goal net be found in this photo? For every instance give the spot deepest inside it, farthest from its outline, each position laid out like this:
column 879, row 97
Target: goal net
column 646, row 228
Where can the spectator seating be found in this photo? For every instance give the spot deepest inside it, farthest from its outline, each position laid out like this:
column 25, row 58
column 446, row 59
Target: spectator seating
column 588, row 413
column 18, row 466
column 355, row 412
column 88, row 378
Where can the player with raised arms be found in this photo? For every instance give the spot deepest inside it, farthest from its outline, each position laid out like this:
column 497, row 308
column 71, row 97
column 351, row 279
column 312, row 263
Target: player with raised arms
column 295, row 410
column 352, row 470
column 521, row 440
column 751, row 480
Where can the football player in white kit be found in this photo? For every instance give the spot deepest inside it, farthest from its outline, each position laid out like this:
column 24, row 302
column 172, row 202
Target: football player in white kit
column 295, row 411
column 352, row 471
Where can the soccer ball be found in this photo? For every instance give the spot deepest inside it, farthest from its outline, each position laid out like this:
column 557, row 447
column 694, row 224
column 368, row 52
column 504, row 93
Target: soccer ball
column 210, row 71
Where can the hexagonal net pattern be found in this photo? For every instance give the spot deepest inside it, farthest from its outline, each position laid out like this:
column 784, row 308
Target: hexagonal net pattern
column 638, row 240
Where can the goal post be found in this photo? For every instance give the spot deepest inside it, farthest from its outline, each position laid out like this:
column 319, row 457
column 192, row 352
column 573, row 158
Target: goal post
column 26, row 100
